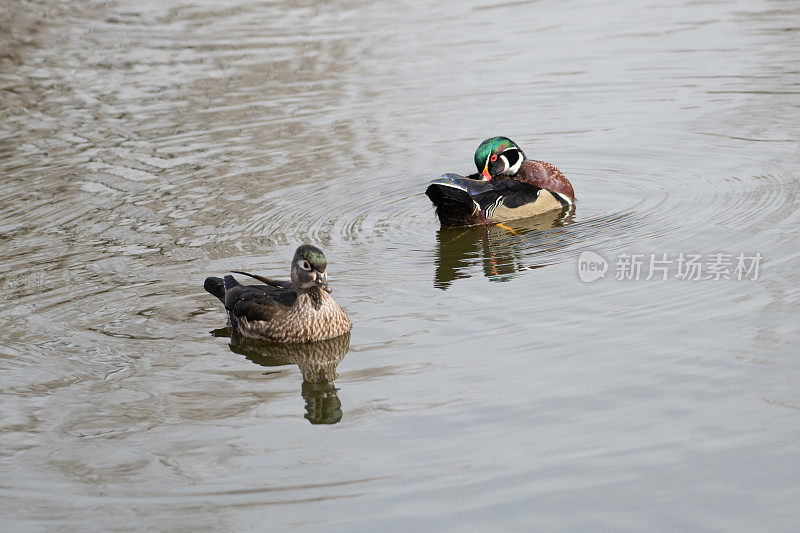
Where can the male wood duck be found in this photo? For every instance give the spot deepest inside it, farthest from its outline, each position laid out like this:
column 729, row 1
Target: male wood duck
column 507, row 186
column 300, row 310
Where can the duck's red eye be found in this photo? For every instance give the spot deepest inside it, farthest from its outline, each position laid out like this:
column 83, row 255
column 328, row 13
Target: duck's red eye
column 493, row 158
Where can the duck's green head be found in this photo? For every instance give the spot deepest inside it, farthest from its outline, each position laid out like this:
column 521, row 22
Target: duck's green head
column 308, row 268
column 498, row 155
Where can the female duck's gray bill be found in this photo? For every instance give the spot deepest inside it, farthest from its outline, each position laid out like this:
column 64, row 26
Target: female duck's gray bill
column 322, row 281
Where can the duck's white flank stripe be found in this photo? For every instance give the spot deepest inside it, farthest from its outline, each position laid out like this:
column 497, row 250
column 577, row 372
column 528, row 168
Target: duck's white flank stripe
column 564, row 198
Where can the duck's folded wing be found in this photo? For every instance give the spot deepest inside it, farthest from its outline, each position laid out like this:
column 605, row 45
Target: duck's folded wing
column 258, row 302
column 462, row 200
column 511, row 199
column 485, row 193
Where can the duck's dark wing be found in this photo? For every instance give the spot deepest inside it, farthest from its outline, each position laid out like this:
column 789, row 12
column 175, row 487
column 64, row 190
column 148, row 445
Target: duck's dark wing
column 256, row 302
column 462, row 200
column 510, row 199
column 510, row 194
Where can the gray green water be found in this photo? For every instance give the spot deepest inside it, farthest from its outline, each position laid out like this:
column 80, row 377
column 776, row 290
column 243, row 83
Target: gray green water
column 145, row 145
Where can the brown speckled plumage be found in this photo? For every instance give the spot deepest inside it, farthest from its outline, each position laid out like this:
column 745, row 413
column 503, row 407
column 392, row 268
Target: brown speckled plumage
column 314, row 316
column 545, row 175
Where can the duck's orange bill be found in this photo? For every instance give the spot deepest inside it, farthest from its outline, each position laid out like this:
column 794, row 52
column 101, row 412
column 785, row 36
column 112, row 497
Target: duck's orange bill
column 485, row 173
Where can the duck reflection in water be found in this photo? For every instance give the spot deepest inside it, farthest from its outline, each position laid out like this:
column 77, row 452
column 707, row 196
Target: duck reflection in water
column 499, row 247
column 317, row 362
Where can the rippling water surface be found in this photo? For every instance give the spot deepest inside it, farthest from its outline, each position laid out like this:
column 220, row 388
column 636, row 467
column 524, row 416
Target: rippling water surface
column 145, row 145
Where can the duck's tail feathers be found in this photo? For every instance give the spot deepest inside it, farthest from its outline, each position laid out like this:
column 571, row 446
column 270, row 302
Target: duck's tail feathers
column 264, row 279
column 454, row 205
column 230, row 282
column 216, row 287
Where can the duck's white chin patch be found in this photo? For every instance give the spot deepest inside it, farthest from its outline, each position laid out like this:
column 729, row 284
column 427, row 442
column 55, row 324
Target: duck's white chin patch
column 511, row 170
column 505, row 168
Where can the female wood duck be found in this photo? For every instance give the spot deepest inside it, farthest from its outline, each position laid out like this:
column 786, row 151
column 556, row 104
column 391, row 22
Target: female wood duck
column 507, row 186
column 300, row 310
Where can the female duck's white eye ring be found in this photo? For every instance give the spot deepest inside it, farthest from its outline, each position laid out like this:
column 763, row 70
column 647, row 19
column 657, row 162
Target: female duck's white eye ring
column 306, row 265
